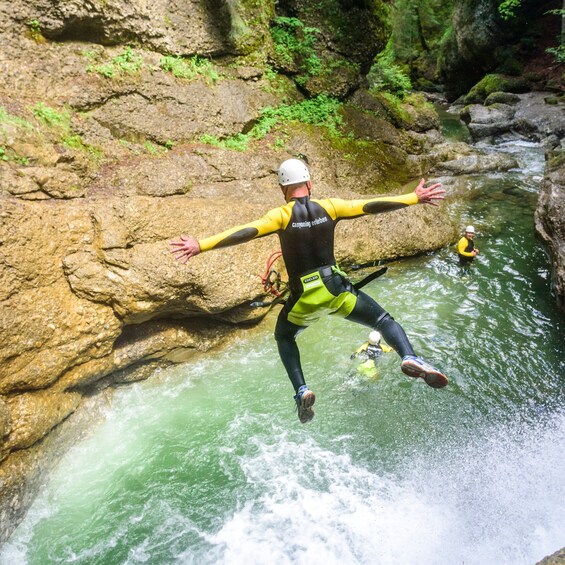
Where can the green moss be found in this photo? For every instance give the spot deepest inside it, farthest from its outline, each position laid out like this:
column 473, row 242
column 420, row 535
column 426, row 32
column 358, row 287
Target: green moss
column 249, row 21
column 555, row 160
column 395, row 113
column 321, row 110
column 495, row 83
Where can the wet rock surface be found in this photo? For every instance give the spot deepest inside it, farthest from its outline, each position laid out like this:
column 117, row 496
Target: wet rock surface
column 550, row 221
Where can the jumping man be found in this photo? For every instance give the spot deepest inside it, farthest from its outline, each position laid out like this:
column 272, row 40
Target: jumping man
column 305, row 227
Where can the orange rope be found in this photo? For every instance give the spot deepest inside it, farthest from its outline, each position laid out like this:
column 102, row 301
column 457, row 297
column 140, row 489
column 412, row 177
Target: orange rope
column 271, row 280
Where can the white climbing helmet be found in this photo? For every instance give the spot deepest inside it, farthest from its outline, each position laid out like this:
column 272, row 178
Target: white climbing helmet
column 374, row 337
column 293, row 171
column 469, row 229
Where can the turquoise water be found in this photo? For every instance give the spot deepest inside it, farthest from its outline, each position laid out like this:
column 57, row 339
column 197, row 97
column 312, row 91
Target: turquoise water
column 207, row 463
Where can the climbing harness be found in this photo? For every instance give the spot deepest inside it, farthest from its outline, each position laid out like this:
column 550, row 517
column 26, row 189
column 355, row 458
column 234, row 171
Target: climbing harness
column 273, row 283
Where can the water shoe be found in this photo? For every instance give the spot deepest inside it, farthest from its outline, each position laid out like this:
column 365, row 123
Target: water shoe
column 417, row 368
column 305, row 399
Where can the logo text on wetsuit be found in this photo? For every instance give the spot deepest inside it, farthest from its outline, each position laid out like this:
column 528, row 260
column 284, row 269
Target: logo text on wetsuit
column 309, row 224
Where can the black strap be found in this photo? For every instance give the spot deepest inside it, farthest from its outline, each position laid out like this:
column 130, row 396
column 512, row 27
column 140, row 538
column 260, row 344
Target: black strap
column 369, row 278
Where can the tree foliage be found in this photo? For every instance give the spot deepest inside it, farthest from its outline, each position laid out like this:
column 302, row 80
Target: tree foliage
column 418, row 26
column 509, row 8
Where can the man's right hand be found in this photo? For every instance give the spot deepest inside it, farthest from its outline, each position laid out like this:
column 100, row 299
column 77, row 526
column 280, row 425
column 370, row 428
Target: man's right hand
column 185, row 248
column 429, row 194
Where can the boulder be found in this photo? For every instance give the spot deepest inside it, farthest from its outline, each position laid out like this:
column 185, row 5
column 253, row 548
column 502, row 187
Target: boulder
column 473, row 164
column 530, row 117
column 557, row 558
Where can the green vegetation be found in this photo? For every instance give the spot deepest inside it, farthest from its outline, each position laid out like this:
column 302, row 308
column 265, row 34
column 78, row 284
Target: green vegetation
column 126, row 63
column 34, row 27
column 508, row 8
column 6, row 118
column 386, row 75
column 190, row 68
column 7, row 153
column 418, row 31
column 51, row 117
column 294, row 47
column 60, row 122
column 559, row 51
column 321, row 110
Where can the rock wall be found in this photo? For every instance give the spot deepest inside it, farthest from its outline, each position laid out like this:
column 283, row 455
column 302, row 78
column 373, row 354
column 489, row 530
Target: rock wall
column 550, row 221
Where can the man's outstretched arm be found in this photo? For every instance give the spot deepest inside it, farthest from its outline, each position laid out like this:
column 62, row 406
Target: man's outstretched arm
column 187, row 247
column 422, row 195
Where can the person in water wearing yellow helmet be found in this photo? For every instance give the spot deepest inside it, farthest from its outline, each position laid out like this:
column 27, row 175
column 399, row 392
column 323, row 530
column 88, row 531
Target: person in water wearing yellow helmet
column 466, row 247
column 370, row 352
column 305, row 227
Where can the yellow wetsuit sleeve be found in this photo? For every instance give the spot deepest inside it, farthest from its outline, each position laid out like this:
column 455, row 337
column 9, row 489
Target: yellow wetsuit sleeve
column 349, row 209
column 271, row 222
column 361, row 348
column 461, row 246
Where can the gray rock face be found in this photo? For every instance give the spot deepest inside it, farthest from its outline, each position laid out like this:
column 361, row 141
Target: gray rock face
column 168, row 26
column 468, row 53
column 478, row 163
column 550, row 222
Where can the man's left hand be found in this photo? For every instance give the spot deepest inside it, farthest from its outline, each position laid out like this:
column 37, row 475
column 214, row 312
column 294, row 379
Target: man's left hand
column 429, row 194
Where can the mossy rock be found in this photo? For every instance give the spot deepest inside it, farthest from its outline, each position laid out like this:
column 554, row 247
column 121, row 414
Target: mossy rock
column 555, row 160
column 502, row 98
column 496, row 83
column 553, row 100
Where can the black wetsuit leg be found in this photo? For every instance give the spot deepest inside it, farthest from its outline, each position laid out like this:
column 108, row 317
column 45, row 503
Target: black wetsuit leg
column 285, row 335
column 370, row 313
